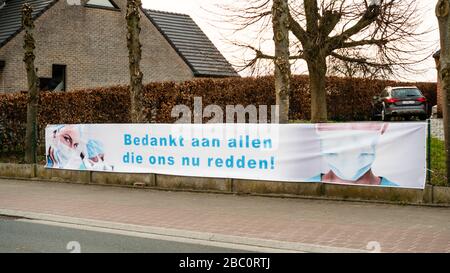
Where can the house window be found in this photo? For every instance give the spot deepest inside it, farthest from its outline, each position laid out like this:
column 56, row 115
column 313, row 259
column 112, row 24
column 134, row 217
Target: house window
column 59, row 76
column 58, row 80
column 107, row 4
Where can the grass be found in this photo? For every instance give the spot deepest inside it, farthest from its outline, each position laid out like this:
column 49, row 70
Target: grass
column 438, row 165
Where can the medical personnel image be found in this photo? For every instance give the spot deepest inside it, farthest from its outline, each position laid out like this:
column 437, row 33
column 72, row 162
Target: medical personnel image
column 349, row 151
column 71, row 149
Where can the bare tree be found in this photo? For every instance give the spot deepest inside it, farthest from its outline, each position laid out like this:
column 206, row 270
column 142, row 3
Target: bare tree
column 134, row 53
column 33, row 82
column 280, row 22
column 375, row 35
column 442, row 13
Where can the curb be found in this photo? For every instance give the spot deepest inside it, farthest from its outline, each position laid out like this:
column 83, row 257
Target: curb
column 236, row 242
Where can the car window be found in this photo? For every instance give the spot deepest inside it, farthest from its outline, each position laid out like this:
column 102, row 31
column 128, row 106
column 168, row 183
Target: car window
column 406, row 92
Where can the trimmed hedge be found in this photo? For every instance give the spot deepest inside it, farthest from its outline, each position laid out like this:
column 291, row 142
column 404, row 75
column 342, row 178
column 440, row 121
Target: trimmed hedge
column 348, row 100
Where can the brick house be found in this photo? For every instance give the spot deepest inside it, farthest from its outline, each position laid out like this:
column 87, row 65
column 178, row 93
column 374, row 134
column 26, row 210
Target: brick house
column 83, row 45
column 437, row 57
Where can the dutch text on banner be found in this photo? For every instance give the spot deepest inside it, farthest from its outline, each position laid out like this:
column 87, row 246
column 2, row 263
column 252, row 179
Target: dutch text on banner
column 379, row 154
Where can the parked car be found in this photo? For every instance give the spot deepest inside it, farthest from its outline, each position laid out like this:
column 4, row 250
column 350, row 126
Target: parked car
column 406, row 102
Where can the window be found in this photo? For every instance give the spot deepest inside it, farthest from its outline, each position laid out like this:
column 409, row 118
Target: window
column 58, row 80
column 59, row 76
column 406, row 92
column 108, row 4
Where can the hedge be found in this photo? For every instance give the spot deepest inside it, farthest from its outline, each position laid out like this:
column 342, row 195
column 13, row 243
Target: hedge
column 348, row 100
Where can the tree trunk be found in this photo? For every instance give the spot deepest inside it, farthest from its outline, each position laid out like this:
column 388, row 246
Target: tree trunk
column 33, row 82
column 442, row 13
column 280, row 23
column 134, row 53
column 317, row 71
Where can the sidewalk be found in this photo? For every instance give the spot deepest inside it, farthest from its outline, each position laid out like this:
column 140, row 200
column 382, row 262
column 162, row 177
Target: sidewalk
column 325, row 223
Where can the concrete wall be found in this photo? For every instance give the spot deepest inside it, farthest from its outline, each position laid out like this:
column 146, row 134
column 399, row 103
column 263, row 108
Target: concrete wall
column 431, row 194
column 91, row 42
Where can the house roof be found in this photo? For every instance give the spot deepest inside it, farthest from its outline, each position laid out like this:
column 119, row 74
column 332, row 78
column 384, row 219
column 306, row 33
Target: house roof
column 11, row 18
column 186, row 37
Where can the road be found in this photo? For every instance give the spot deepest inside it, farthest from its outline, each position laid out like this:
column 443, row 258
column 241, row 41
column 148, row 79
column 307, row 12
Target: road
column 22, row 236
column 287, row 224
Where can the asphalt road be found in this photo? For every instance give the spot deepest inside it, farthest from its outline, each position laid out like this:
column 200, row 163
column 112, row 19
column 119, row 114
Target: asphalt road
column 26, row 237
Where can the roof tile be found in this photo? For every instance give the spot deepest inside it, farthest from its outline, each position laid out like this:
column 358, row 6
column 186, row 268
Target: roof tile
column 192, row 44
column 11, row 18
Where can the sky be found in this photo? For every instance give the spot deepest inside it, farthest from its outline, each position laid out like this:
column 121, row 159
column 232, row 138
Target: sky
column 204, row 13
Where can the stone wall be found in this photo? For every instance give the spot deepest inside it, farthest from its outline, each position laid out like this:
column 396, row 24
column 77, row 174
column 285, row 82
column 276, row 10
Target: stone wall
column 430, row 195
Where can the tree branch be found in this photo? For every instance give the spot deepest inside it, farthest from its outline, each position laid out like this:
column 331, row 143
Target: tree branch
column 261, row 55
column 368, row 18
column 379, row 42
column 328, row 22
column 312, row 16
column 357, row 60
column 297, row 30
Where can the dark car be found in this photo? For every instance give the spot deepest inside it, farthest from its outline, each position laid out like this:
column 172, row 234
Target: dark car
column 406, row 102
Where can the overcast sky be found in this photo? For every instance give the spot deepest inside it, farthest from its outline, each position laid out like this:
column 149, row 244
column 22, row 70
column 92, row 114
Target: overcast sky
column 202, row 11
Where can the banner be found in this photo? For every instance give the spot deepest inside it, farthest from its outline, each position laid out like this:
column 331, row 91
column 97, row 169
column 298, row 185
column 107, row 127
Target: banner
column 378, row 154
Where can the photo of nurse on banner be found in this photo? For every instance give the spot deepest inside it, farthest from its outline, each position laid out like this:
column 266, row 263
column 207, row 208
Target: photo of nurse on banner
column 71, row 148
column 349, row 151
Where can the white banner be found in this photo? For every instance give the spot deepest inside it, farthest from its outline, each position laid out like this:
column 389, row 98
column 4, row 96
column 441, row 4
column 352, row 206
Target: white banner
column 379, row 154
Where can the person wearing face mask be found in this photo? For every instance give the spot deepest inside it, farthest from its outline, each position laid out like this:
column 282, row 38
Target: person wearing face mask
column 65, row 150
column 95, row 157
column 349, row 151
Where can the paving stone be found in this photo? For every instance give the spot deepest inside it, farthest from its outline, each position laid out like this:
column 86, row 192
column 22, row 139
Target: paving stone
column 326, row 223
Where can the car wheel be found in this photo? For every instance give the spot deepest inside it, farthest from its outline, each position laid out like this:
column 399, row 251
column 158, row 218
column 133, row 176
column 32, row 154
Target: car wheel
column 385, row 117
column 423, row 117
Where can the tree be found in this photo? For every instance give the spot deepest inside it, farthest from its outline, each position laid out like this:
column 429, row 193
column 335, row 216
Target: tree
column 280, row 22
column 379, row 35
column 134, row 53
column 442, row 13
column 33, row 83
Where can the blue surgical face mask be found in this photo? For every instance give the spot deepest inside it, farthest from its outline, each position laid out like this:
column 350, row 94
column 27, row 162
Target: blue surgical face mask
column 350, row 168
column 66, row 156
column 349, row 154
